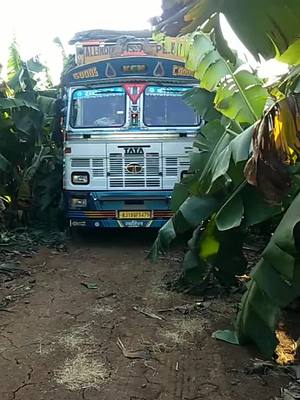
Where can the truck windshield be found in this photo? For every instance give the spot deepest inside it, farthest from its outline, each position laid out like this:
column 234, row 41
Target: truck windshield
column 164, row 106
column 104, row 107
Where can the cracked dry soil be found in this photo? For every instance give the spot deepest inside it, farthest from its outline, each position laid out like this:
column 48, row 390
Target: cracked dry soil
column 59, row 339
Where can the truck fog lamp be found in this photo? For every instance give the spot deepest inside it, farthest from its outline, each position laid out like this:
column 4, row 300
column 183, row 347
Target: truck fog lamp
column 80, row 178
column 78, row 203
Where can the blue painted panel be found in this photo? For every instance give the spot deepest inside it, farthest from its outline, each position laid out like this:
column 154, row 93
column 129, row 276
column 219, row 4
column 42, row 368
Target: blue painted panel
column 112, row 223
column 97, row 201
column 123, row 67
column 109, row 203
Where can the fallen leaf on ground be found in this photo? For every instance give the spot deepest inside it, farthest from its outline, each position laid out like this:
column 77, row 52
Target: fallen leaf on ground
column 226, row 335
column 90, row 285
column 144, row 354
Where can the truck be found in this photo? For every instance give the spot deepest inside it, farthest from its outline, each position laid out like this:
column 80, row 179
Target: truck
column 127, row 131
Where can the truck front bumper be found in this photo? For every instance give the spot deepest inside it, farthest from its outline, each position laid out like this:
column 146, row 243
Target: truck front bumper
column 142, row 209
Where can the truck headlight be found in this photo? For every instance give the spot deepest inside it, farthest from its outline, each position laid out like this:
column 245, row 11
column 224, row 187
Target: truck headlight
column 80, row 178
column 78, row 202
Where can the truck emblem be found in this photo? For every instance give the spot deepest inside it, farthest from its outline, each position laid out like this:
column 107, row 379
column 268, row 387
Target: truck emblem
column 134, row 150
column 134, row 168
column 139, row 149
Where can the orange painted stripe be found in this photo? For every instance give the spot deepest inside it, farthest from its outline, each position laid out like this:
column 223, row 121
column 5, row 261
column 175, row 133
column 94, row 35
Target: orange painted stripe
column 114, row 214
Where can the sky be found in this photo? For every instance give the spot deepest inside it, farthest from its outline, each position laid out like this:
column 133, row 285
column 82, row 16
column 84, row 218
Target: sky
column 35, row 23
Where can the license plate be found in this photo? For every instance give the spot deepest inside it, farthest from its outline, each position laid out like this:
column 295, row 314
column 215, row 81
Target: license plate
column 134, row 214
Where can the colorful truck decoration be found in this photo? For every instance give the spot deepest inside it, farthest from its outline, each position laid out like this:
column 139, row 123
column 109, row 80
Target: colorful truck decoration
column 128, row 132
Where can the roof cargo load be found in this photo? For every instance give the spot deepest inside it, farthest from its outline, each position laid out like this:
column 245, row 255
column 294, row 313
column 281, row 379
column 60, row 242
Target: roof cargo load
column 97, row 45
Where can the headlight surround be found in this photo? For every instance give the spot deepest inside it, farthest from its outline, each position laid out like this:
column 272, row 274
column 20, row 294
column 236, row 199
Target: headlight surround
column 77, row 202
column 80, row 178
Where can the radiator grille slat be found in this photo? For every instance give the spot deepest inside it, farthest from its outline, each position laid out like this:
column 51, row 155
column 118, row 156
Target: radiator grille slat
column 80, row 163
column 96, row 166
column 171, row 166
column 184, row 163
column 121, row 177
column 98, row 162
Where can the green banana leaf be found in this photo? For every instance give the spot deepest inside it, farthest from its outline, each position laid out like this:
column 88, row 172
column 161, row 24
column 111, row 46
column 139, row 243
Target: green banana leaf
column 245, row 206
column 14, row 63
column 192, row 213
column 291, row 55
column 203, row 102
column 275, row 282
column 266, row 28
column 13, row 104
column 46, row 105
column 193, row 206
column 212, row 252
column 239, row 93
column 4, row 163
column 212, row 141
column 47, row 187
column 239, row 204
column 30, row 164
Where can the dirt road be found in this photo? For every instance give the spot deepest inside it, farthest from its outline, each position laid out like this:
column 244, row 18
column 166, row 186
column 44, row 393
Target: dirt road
column 91, row 323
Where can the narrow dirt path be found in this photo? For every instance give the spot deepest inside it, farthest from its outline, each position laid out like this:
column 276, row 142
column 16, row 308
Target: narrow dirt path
column 59, row 340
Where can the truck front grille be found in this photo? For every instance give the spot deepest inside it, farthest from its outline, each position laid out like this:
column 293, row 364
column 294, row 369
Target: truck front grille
column 147, row 174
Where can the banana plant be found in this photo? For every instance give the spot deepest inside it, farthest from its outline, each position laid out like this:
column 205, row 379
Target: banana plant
column 239, row 93
column 217, row 192
column 229, row 97
column 274, row 284
column 27, row 153
column 269, row 28
column 253, row 177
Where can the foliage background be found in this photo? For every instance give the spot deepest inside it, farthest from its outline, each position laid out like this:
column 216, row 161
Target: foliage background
column 30, row 162
column 244, row 170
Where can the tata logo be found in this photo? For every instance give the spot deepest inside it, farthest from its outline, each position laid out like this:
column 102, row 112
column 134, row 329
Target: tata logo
column 134, row 149
column 134, row 168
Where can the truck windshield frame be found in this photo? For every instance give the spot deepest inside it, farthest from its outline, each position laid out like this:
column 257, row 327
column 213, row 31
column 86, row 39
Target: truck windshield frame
column 164, row 107
column 102, row 107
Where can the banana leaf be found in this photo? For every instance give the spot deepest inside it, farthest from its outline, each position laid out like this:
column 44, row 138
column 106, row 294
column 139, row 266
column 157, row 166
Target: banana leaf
column 14, row 63
column 4, row 163
column 239, row 93
column 192, row 213
column 15, row 104
column 212, row 252
column 275, row 282
column 203, row 102
column 266, row 28
column 192, row 207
